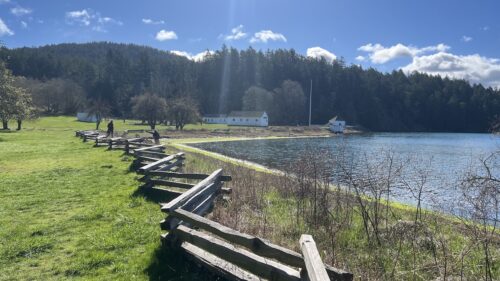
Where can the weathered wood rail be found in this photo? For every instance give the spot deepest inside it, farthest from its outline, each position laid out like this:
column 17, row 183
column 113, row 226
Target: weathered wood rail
column 219, row 249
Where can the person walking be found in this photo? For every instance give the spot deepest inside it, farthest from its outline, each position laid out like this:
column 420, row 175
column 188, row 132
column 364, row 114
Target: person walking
column 156, row 136
column 111, row 129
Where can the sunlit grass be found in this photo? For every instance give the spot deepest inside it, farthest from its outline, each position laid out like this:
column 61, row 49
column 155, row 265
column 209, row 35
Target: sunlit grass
column 68, row 209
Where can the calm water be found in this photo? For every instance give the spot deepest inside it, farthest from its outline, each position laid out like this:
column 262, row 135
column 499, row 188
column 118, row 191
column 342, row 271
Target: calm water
column 445, row 156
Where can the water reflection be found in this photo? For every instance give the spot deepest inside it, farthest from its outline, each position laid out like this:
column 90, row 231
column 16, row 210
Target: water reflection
column 444, row 156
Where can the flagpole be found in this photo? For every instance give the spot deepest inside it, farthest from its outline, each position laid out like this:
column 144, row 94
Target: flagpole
column 310, row 101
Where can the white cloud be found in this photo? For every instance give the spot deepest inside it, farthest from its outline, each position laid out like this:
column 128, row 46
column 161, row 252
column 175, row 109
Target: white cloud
column 4, row 29
column 24, row 24
column 82, row 17
column 266, row 35
column 104, row 20
column 181, row 53
column 379, row 54
column 20, row 11
column 485, row 28
column 150, row 21
column 474, row 68
column 91, row 19
column 4, row 1
column 360, row 58
column 466, row 38
column 198, row 57
column 202, row 56
column 164, row 35
column 318, row 53
column 236, row 34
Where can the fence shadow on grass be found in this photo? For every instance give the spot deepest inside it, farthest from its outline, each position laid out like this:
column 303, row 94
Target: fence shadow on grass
column 171, row 264
column 152, row 195
column 133, row 167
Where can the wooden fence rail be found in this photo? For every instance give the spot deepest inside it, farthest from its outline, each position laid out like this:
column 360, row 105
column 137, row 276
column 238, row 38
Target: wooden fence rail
column 244, row 259
column 220, row 249
column 216, row 265
column 257, row 245
column 160, row 162
column 205, row 185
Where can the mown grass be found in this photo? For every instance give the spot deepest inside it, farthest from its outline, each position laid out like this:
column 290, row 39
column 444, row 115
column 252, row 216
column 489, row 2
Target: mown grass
column 69, row 210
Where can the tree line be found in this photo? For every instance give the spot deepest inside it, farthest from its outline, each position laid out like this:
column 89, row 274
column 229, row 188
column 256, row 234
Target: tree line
column 276, row 81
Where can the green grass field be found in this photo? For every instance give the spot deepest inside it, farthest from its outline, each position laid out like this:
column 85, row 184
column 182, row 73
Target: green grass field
column 69, row 210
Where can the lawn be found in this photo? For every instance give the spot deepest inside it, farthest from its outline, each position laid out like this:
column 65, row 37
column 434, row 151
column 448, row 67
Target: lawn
column 68, row 210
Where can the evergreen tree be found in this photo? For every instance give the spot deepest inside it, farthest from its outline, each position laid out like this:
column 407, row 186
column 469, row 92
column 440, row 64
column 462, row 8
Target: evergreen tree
column 377, row 101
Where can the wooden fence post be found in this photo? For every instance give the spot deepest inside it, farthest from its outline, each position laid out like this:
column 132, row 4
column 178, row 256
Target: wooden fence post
column 315, row 267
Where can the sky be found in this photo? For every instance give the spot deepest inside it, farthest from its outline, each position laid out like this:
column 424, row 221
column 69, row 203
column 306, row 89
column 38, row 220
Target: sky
column 454, row 38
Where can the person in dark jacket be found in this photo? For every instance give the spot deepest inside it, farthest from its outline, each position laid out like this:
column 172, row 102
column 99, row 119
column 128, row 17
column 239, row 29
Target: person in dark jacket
column 156, row 136
column 111, row 129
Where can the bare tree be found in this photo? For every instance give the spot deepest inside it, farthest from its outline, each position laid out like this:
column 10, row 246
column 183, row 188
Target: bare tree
column 372, row 182
column 98, row 108
column 54, row 96
column 418, row 185
column 481, row 198
column 183, row 110
column 151, row 108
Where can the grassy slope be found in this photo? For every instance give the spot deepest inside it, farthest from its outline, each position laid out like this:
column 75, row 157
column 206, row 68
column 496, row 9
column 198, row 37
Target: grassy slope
column 70, row 210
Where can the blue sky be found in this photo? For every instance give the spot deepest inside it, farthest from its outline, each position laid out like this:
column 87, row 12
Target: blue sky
column 459, row 39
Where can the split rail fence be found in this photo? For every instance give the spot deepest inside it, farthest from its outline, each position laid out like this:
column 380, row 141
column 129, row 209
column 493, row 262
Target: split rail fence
column 221, row 250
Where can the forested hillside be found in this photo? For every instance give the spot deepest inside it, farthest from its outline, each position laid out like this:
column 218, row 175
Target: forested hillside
column 231, row 79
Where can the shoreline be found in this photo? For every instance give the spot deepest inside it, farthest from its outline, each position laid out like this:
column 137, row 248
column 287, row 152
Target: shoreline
column 253, row 132
column 183, row 144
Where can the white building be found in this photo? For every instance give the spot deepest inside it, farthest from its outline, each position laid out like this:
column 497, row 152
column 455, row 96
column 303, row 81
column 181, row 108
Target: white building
column 248, row 118
column 85, row 117
column 336, row 126
column 215, row 119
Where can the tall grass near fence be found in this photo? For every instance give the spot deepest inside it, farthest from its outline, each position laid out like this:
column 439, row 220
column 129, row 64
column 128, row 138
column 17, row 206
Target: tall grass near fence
column 407, row 243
